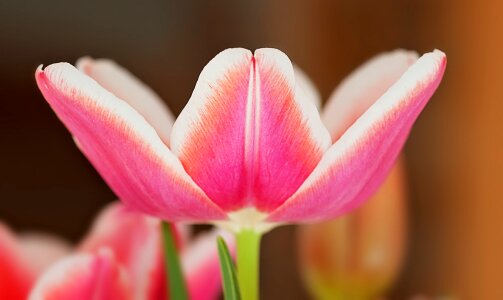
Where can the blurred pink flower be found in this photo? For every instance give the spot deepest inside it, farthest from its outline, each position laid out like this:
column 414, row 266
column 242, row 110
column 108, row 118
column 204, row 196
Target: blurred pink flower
column 249, row 150
column 121, row 258
column 23, row 258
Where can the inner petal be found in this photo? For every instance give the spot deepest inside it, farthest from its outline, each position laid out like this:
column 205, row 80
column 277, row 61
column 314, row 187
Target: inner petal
column 291, row 137
column 362, row 88
column 249, row 135
column 127, row 87
column 209, row 135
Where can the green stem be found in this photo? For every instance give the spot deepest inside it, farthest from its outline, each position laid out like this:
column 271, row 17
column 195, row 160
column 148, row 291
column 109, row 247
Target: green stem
column 248, row 248
column 174, row 276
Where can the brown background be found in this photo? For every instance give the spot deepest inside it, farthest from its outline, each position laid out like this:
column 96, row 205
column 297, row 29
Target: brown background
column 454, row 154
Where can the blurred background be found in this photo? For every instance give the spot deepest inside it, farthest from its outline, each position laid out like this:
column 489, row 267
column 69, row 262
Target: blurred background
column 453, row 158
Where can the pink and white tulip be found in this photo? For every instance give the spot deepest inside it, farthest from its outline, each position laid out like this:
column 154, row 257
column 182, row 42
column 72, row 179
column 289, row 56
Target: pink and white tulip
column 250, row 149
column 121, row 258
column 135, row 241
column 84, row 276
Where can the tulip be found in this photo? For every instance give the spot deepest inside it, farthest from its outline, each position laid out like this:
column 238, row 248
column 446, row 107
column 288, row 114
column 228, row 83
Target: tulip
column 135, row 242
column 357, row 256
column 23, row 259
column 249, row 151
column 120, row 258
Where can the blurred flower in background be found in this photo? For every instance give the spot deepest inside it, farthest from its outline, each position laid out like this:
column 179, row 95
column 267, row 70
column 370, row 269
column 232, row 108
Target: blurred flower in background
column 358, row 255
column 121, row 253
column 23, row 258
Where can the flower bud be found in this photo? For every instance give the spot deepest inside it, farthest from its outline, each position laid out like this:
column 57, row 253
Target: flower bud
column 358, row 255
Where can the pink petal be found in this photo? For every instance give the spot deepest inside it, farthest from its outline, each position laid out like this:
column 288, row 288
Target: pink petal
column 362, row 88
column 124, row 148
column 209, row 134
column 41, row 250
column 16, row 273
column 125, row 86
column 135, row 240
column 249, row 134
column 83, row 277
column 358, row 162
column 290, row 137
column 202, row 267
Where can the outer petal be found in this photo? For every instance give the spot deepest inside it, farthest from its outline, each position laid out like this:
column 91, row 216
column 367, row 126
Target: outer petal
column 201, row 265
column 358, row 162
column 16, row 274
column 125, row 86
column 249, row 134
column 83, row 277
column 362, row 88
column 135, row 241
column 123, row 147
column 41, row 250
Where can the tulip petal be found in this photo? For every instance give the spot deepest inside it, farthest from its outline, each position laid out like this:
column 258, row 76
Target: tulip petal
column 249, row 134
column 209, row 134
column 201, row 265
column 41, row 250
column 83, row 277
column 124, row 148
column 135, row 241
column 125, row 86
column 16, row 274
column 305, row 83
column 358, row 162
column 362, row 88
column 290, row 137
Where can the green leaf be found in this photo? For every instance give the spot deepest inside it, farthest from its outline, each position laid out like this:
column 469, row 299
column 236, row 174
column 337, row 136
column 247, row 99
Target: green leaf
column 174, row 275
column 229, row 278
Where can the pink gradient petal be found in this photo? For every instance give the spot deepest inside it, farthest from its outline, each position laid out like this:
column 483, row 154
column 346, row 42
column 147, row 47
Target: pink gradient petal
column 125, row 86
column 16, row 273
column 41, row 249
column 124, row 148
column 362, row 88
column 289, row 138
column 209, row 135
column 358, row 162
column 83, row 277
column 135, row 240
column 201, row 265
column 309, row 88
column 249, row 134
